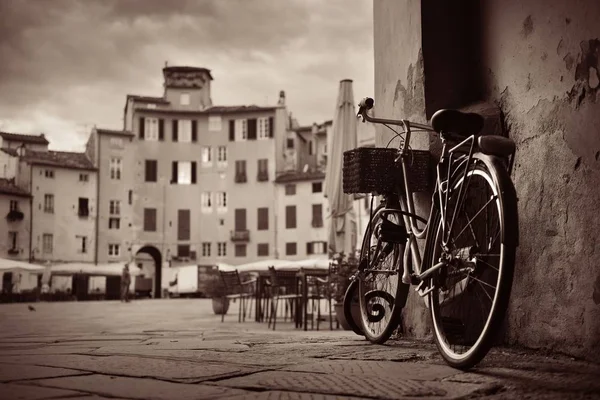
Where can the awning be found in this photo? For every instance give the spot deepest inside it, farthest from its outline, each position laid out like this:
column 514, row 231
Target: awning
column 110, row 269
column 7, row 265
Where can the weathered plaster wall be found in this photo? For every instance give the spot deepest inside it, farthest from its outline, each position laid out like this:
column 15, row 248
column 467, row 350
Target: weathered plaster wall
column 538, row 61
column 542, row 65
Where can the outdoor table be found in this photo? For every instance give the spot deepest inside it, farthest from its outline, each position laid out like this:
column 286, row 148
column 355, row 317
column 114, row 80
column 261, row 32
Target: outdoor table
column 261, row 284
column 303, row 274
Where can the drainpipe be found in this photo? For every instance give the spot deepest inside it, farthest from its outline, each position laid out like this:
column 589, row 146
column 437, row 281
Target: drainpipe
column 30, row 212
column 98, row 173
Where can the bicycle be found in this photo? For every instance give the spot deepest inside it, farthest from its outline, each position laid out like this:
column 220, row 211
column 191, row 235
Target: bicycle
column 457, row 264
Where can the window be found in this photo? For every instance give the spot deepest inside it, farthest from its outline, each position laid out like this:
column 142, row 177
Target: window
column 48, row 173
column 262, row 249
column 184, row 133
column 151, row 171
column 263, row 219
column 206, row 156
column 206, row 202
column 12, row 240
column 184, row 99
column 205, row 249
column 14, row 205
column 183, row 172
column 114, row 223
column 114, row 250
column 240, row 219
column 214, row 123
column 290, row 249
column 49, row 203
column 83, row 241
column 183, row 224
column 221, row 202
column 116, row 143
column 316, row 248
column 83, row 209
column 290, row 189
column 317, row 215
column 263, row 170
column 149, row 219
column 317, row 187
column 240, row 250
column 290, row 143
column 114, row 207
column 115, row 168
column 222, row 249
column 310, row 148
column 150, row 129
column 241, row 129
column 47, row 243
column 290, row 217
column 183, row 250
column 263, row 128
column 83, row 177
column 222, row 155
column 240, row 171
column 130, row 197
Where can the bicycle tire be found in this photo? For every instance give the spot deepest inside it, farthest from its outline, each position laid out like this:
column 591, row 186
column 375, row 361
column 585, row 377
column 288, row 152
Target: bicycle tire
column 364, row 296
column 349, row 298
column 498, row 179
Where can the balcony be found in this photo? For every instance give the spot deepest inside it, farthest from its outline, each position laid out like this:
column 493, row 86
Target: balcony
column 240, row 236
column 263, row 176
column 13, row 252
column 240, row 178
column 15, row 215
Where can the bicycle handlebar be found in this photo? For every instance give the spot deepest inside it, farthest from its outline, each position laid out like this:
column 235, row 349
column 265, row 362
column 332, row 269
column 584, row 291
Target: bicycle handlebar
column 367, row 103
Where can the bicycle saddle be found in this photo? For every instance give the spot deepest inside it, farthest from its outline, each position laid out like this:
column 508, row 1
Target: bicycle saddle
column 454, row 121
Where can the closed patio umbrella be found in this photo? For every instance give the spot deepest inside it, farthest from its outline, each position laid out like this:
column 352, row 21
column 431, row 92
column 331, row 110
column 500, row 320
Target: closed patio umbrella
column 342, row 227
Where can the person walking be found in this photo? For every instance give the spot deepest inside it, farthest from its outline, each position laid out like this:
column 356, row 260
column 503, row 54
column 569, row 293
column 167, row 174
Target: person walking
column 125, row 282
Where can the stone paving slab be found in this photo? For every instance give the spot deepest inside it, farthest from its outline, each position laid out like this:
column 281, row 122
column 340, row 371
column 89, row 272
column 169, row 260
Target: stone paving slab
column 194, row 344
column 380, row 387
column 137, row 388
column 45, row 350
column 385, row 353
column 281, row 395
column 14, row 391
column 15, row 372
column 174, row 370
column 413, row 371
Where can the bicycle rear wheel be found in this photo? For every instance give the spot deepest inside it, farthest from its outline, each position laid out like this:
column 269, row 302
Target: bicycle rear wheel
column 350, row 302
column 471, row 294
column 379, row 283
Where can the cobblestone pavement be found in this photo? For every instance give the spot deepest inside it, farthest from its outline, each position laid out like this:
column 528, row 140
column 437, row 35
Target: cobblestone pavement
column 178, row 349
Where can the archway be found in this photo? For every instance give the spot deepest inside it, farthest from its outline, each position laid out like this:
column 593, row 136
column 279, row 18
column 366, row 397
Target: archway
column 157, row 258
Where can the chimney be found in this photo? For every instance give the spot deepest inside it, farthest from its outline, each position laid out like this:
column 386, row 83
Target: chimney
column 281, row 101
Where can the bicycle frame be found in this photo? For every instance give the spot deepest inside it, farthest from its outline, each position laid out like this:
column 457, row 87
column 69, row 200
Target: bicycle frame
column 406, row 202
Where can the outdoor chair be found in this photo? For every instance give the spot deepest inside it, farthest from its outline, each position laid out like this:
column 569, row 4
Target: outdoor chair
column 235, row 289
column 284, row 286
column 319, row 288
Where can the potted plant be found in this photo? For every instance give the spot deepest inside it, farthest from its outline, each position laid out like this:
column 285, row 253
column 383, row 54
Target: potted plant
column 344, row 267
column 216, row 291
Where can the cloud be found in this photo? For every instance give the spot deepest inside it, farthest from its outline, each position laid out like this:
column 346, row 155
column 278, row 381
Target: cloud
column 68, row 63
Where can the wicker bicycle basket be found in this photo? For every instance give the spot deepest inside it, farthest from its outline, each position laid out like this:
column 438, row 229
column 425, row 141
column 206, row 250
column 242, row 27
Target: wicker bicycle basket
column 373, row 170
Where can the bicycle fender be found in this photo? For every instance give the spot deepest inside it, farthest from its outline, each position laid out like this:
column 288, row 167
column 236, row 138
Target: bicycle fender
column 508, row 200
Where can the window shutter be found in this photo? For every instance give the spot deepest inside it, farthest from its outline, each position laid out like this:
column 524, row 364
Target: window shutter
column 252, row 129
column 271, row 127
column 161, row 129
column 194, row 131
column 183, row 225
column 174, row 125
column 174, row 172
column 240, row 219
column 309, row 248
column 231, row 130
column 193, row 171
column 141, row 127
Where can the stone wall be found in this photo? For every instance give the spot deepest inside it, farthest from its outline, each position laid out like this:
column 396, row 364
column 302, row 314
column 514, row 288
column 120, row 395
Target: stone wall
column 538, row 64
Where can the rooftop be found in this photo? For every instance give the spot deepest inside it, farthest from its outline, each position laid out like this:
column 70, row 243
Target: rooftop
column 185, row 69
column 113, row 132
column 211, row 110
column 7, row 186
column 147, row 99
column 297, row 176
column 18, row 137
column 60, row 159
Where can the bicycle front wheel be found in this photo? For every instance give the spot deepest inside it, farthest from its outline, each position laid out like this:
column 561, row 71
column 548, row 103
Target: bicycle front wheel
column 379, row 283
column 479, row 240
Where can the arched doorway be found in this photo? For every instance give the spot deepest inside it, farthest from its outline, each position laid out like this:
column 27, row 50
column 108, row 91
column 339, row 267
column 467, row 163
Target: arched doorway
column 154, row 253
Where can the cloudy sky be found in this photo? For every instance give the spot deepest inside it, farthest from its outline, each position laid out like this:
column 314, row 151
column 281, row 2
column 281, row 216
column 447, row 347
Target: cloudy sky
column 68, row 64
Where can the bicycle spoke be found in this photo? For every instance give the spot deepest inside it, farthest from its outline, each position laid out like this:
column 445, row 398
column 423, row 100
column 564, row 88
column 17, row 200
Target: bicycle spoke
column 476, row 215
